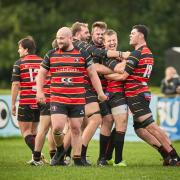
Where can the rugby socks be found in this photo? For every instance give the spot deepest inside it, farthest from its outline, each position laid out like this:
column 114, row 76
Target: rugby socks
column 103, row 145
column 34, row 135
column 77, row 160
column 163, row 152
column 30, row 141
column 173, row 153
column 119, row 144
column 83, row 151
column 61, row 151
column 68, row 152
column 52, row 153
column 111, row 145
column 37, row 156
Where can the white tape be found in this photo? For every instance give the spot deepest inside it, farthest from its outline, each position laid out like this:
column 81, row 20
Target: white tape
column 122, row 109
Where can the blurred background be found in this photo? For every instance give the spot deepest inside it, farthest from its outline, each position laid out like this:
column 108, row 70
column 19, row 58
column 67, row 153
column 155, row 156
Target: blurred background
column 42, row 18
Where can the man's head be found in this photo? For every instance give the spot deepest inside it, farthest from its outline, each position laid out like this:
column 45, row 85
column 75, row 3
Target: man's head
column 170, row 72
column 64, row 38
column 26, row 46
column 80, row 31
column 98, row 30
column 110, row 40
column 138, row 34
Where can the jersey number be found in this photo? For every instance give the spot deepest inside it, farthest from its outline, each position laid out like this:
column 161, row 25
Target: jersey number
column 31, row 71
column 32, row 79
column 148, row 70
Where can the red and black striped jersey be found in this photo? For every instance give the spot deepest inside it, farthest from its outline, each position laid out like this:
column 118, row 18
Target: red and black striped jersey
column 113, row 86
column 67, row 70
column 25, row 71
column 46, row 87
column 139, row 66
column 80, row 46
column 100, row 61
column 90, row 48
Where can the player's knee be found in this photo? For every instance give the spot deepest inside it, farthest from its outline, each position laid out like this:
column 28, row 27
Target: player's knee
column 75, row 131
column 137, row 125
column 57, row 132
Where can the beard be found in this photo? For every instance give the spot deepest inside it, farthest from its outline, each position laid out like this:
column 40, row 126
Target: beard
column 63, row 46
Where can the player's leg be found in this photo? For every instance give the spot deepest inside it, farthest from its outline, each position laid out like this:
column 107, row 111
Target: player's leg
column 104, row 132
column 58, row 122
column 94, row 120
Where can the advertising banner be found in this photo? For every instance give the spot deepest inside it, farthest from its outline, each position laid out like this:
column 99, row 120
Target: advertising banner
column 168, row 111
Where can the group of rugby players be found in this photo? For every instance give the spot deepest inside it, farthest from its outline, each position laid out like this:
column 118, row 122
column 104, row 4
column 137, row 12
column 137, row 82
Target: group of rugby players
column 83, row 84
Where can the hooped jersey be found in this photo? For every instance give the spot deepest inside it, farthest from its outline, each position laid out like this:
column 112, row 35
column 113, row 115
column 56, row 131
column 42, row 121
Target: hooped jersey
column 67, row 70
column 25, row 70
column 139, row 67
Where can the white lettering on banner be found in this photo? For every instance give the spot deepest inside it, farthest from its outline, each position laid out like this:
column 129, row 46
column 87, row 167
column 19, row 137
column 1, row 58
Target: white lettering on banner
column 170, row 129
column 168, row 112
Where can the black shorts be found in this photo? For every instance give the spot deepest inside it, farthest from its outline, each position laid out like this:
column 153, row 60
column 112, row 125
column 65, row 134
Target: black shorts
column 91, row 96
column 44, row 109
column 139, row 104
column 105, row 109
column 27, row 113
column 116, row 99
column 72, row 111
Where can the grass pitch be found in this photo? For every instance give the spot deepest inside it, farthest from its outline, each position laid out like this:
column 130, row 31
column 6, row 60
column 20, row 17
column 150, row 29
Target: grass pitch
column 143, row 163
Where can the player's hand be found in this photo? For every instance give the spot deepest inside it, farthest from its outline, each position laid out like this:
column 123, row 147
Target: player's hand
column 102, row 97
column 119, row 59
column 13, row 110
column 126, row 54
column 40, row 97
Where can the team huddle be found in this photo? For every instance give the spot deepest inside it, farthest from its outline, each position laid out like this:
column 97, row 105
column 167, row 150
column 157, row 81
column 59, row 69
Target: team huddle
column 83, row 84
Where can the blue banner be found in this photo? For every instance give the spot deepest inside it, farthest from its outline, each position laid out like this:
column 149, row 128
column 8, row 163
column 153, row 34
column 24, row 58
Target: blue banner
column 169, row 116
column 8, row 123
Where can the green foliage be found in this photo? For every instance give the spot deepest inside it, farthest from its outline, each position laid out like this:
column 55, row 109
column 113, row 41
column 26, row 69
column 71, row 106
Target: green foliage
column 41, row 19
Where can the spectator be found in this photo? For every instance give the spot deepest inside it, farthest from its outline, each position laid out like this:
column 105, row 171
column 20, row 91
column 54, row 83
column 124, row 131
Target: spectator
column 170, row 85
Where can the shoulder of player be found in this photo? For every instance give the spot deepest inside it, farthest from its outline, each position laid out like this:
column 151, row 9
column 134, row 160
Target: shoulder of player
column 51, row 52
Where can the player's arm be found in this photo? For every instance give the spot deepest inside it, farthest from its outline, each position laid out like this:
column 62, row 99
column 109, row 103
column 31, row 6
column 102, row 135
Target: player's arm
column 118, row 54
column 96, row 82
column 119, row 68
column 101, row 53
column 117, row 76
column 14, row 93
column 40, row 79
column 15, row 86
column 102, row 69
column 126, row 68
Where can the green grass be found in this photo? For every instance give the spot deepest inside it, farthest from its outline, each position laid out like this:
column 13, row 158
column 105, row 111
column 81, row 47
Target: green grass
column 154, row 89
column 143, row 163
column 5, row 91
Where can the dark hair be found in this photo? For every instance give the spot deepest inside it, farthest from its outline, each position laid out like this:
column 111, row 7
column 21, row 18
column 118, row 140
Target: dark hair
column 143, row 29
column 28, row 43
